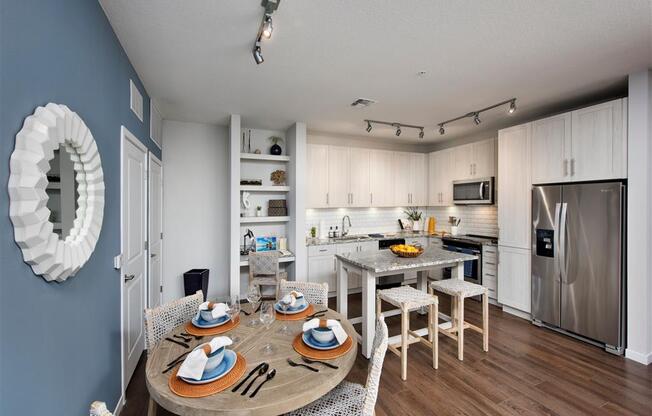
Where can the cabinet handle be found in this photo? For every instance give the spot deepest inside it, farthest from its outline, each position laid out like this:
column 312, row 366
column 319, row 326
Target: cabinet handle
column 371, row 197
column 351, row 198
column 565, row 167
column 572, row 166
column 334, row 264
column 322, row 250
column 327, row 202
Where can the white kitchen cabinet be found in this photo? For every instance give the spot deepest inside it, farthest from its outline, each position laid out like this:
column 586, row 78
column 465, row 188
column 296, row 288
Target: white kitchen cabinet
column 338, row 176
column 475, row 160
column 514, row 278
column 359, row 171
column 583, row 145
column 317, row 160
column 599, row 142
column 514, row 192
column 355, row 280
column 550, row 149
column 321, row 269
column 418, row 179
column 381, row 178
column 440, row 178
column 402, row 169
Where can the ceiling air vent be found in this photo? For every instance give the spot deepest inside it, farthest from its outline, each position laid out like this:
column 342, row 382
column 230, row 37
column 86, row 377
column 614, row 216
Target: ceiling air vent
column 362, row 102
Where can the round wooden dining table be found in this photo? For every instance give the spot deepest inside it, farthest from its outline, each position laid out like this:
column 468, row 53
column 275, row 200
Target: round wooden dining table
column 290, row 389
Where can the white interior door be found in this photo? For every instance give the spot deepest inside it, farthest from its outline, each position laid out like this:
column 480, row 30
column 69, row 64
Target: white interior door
column 134, row 255
column 155, row 282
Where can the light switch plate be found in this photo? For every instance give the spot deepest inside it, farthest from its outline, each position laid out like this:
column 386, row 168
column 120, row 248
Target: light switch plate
column 117, row 262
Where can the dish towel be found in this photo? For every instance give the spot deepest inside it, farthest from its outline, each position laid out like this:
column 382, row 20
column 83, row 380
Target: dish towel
column 291, row 298
column 193, row 366
column 340, row 333
column 218, row 310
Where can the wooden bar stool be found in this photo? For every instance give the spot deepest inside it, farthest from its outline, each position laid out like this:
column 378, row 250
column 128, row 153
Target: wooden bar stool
column 459, row 290
column 408, row 299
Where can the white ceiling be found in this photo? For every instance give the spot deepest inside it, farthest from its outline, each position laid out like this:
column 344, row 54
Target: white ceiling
column 194, row 58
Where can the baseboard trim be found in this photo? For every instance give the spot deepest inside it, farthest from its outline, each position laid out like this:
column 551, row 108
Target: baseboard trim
column 645, row 359
column 517, row 313
column 119, row 406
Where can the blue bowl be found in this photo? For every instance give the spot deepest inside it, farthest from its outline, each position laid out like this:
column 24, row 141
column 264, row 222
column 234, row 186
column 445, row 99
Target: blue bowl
column 214, row 359
column 323, row 335
column 207, row 316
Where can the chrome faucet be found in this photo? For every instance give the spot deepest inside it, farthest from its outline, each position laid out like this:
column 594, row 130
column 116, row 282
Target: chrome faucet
column 344, row 230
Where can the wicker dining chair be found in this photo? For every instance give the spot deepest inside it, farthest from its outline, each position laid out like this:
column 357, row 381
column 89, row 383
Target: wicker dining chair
column 351, row 398
column 161, row 320
column 264, row 269
column 315, row 293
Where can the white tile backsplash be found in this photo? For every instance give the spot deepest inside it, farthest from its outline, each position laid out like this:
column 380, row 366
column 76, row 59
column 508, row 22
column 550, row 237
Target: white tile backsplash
column 481, row 220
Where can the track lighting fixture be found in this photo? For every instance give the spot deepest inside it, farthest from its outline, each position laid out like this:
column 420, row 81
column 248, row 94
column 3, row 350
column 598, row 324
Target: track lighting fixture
column 475, row 115
column 512, row 106
column 397, row 126
column 267, row 27
column 258, row 54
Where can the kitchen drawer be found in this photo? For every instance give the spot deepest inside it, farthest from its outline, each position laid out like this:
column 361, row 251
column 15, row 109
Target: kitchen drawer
column 346, row 248
column 489, row 250
column 323, row 250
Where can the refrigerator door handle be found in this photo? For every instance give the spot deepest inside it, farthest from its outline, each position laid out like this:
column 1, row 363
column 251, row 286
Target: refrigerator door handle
column 555, row 239
column 562, row 244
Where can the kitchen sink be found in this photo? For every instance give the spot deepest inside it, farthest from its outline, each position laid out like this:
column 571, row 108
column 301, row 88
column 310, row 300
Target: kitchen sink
column 353, row 238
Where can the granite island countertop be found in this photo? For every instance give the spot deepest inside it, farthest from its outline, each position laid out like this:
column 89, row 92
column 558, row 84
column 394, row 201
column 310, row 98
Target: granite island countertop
column 384, row 261
column 365, row 237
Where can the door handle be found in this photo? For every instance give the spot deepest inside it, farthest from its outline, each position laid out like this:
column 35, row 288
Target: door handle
column 151, row 256
column 555, row 239
column 562, row 244
column 129, row 277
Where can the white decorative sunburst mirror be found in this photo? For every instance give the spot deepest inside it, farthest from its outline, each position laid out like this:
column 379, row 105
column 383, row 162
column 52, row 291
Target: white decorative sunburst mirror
column 56, row 189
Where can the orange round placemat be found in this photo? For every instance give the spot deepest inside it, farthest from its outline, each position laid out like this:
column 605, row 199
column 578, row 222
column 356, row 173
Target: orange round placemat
column 297, row 316
column 183, row 389
column 308, row 352
column 191, row 329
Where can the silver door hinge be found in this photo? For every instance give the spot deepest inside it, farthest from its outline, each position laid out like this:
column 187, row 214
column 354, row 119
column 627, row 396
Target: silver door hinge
column 161, row 236
column 161, row 288
column 146, row 245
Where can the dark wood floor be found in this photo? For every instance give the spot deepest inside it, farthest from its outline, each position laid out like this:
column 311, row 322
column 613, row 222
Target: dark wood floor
column 527, row 371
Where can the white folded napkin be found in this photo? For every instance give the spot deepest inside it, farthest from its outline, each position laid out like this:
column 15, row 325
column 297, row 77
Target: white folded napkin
column 291, row 298
column 340, row 333
column 194, row 364
column 218, row 311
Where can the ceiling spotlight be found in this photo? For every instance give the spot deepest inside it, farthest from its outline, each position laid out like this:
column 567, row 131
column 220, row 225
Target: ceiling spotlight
column 441, row 129
column 368, row 127
column 267, row 27
column 258, row 54
column 512, row 107
column 476, row 118
column 421, row 134
column 398, row 131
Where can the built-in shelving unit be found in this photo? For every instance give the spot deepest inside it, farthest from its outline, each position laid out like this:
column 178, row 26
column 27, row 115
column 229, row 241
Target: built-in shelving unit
column 259, row 188
column 248, row 220
column 269, row 158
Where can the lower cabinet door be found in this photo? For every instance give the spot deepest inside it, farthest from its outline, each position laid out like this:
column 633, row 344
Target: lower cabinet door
column 321, row 269
column 514, row 278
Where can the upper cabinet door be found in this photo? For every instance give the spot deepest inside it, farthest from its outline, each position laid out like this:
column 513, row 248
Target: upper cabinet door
column 484, row 159
column 514, row 198
column 402, row 177
column 463, row 162
column 381, row 178
column 418, row 180
column 599, row 145
column 338, row 176
column 446, row 177
column 360, row 187
column 317, row 158
column 550, row 152
column 433, row 179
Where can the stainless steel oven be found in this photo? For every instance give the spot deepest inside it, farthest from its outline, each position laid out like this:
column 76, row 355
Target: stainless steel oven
column 474, row 191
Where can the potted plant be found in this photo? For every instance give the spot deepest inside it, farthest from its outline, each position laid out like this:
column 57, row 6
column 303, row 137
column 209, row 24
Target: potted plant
column 313, row 232
column 414, row 215
column 259, row 211
column 275, row 149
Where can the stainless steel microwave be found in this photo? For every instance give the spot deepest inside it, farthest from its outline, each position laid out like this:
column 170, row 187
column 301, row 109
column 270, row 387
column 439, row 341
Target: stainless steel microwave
column 478, row 191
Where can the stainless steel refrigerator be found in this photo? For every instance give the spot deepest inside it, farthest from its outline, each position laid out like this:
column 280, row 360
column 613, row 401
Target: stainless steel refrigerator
column 578, row 260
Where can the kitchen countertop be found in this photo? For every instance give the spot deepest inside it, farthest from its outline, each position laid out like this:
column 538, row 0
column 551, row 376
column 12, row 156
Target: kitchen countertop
column 384, row 261
column 364, row 237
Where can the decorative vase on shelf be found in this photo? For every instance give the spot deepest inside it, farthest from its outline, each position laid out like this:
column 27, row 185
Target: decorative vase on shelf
column 275, row 149
column 416, row 225
column 259, row 213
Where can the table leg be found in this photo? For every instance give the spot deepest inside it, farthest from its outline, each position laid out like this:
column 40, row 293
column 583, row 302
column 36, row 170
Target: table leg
column 342, row 288
column 368, row 312
column 460, row 270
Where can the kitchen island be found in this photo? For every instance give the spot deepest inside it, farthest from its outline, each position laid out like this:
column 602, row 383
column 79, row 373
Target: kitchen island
column 371, row 265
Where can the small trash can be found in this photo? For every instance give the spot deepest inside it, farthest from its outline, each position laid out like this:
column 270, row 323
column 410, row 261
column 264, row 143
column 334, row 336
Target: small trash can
column 194, row 280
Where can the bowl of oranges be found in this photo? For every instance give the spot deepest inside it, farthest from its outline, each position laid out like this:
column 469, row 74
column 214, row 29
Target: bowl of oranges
column 406, row 250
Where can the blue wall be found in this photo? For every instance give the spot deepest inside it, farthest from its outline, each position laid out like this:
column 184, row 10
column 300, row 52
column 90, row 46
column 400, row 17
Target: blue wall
column 60, row 343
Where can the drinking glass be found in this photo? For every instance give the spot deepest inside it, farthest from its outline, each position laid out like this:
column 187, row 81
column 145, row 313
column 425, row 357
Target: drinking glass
column 267, row 316
column 234, row 312
column 253, row 296
column 285, row 330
